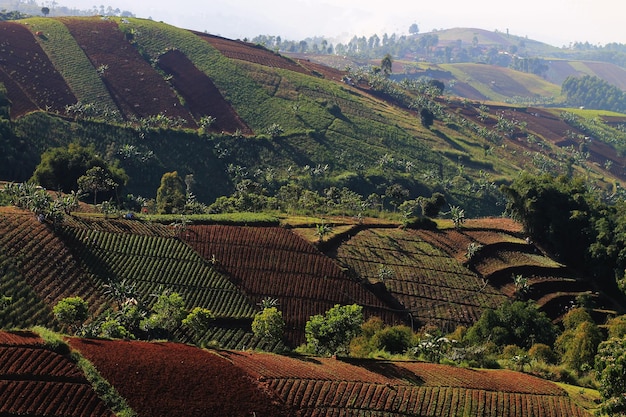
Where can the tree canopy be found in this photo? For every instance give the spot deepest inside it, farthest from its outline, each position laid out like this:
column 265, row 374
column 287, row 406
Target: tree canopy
column 332, row 332
column 60, row 168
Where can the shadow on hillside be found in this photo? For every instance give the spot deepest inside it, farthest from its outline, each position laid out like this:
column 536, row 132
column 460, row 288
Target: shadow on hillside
column 386, row 369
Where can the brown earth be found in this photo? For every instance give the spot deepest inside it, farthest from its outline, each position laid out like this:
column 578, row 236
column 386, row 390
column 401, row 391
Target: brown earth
column 30, row 78
column 35, row 381
column 275, row 262
column 46, row 263
column 170, row 380
column 136, row 88
column 200, row 94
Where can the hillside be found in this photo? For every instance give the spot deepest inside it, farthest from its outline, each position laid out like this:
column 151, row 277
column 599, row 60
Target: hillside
column 195, row 382
column 229, row 269
column 275, row 120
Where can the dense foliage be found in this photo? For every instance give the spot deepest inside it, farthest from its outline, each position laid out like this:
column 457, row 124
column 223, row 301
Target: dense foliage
column 60, row 168
column 593, row 92
column 513, row 323
column 332, row 332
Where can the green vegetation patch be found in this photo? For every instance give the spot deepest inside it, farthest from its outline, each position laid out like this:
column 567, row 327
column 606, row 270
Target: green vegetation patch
column 24, row 308
column 153, row 263
column 73, row 64
column 248, row 98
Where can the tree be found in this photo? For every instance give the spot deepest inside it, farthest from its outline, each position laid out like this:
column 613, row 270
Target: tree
column 96, row 179
column 513, row 323
column 427, row 118
column 45, row 11
column 199, row 320
column 414, row 29
column 579, row 342
column 331, row 333
column 171, row 194
column 610, row 365
column 71, row 312
column 321, row 230
column 167, row 313
column 458, row 216
column 433, row 205
column 269, row 324
column 60, row 168
column 386, row 64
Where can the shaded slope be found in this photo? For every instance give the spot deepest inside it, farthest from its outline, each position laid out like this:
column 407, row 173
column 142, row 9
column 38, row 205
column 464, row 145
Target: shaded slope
column 137, row 89
column 47, row 266
column 274, row 262
column 29, row 76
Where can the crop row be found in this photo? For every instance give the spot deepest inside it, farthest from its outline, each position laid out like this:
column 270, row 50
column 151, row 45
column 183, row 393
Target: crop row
column 30, row 363
column 137, row 88
column 26, row 308
column 39, row 259
column 71, row 62
column 134, row 227
column 325, row 398
column 156, row 262
column 27, row 64
column 62, row 399
column 276, row 238
column 274, row 262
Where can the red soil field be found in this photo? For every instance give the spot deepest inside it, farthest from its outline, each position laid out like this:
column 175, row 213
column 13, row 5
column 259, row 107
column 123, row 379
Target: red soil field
column 31, row 80
column 201, row 96
column 35, row 381
column 46, row 262
column 136, row 87
column 330, row 387
column 251, row 53
column 275, row 262
column 171, row 380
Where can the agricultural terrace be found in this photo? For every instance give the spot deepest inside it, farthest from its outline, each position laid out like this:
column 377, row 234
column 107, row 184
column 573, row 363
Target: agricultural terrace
column 252, row 53
column 136, row 88
column 201, row 96
column 38, row 270
column 30, row 78
column 330, row 387
column 275, row 262
column 434, row 287
column 168, row 379
column 35, row 381
column 72, row 63
column 248, row 100
column 503, row 255
column 152, row 263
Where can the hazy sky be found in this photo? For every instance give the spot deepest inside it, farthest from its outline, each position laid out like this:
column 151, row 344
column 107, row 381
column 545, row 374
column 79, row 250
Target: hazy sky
column 557, row 22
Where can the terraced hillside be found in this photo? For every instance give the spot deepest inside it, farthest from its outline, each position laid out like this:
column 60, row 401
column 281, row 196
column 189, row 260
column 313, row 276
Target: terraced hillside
column 35, row 381
column 274, row 262
column 243, row 383
column 502, row 254
column 434, row 288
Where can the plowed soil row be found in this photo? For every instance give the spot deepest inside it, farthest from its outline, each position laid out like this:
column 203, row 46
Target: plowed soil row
column 174, row 380
column 30, row 78
column 201, row 96
column 136, row 87
column 274, row 262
